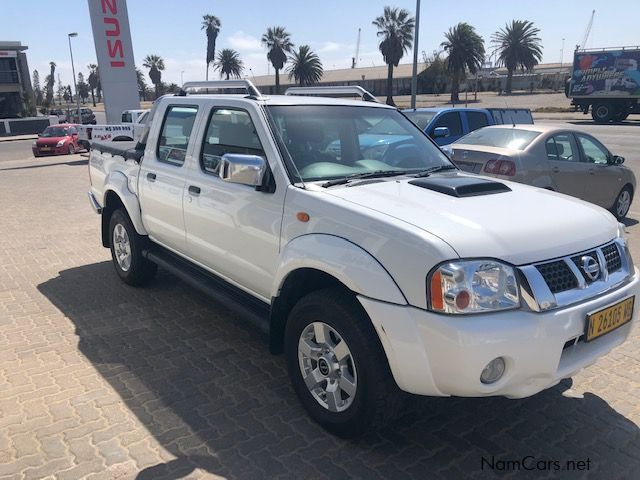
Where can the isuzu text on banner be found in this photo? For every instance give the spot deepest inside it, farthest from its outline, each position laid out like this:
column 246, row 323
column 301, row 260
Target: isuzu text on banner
column 112, row 38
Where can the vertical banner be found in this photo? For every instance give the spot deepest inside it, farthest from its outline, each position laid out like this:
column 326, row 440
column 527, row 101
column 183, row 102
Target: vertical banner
column 112, row 38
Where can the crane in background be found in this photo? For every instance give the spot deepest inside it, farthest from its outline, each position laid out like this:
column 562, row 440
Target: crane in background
column 587, row 32
column 354, row 60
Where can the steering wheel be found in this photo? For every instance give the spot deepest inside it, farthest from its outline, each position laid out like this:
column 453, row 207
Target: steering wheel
column 395, row 157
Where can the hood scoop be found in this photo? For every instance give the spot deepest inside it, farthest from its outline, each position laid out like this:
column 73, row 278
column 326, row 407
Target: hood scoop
column 461, row 186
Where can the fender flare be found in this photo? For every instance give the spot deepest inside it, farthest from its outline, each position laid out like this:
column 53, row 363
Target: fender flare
column 118, row 183
column 347, row 262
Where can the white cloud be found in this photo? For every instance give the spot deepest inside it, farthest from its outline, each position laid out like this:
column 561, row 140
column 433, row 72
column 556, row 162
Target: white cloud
column 330, row 47
column 244, row 42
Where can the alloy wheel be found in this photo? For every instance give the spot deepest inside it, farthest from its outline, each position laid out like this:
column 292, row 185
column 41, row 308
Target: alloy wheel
column 624, row 202
column 122, row 247
column 327, row 366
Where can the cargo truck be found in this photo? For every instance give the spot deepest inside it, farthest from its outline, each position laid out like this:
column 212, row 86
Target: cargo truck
column 607, row 82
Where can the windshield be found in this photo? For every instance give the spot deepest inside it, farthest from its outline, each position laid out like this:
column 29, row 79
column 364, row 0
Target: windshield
column 55, row 132
column 328, row 142
column 511, row 138
column 421, row 119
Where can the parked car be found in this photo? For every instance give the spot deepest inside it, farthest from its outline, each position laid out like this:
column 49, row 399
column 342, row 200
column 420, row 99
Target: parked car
column 87, row 116
column 558, row 158
column 445, row 125
column 58, row 139
column 370, row 274
column 58, row 112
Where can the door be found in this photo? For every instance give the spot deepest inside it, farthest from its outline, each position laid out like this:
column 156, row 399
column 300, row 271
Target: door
column 566, row 170
column 162, row 177
column 604, row 181
column 453, row 122
column 233, row 229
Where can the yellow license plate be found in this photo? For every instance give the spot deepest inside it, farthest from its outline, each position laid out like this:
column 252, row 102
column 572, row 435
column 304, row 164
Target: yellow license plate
column 608, row 319
column 45, row 149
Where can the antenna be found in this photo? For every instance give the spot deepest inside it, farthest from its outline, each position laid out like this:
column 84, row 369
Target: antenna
column 354, row 60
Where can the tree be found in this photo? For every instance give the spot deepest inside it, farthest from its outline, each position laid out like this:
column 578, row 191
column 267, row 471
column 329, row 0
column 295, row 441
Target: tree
column 83, row 88
column 50, row 80
column 395, row 28
column 278, row 43
column 155, row 64
column 229, row 63
column 211, row 24
column 37, row 90
column 305, row 67
column 466, row 51
column 142, row 84
column 94, row 80
column 433, row 78
column 517, row 46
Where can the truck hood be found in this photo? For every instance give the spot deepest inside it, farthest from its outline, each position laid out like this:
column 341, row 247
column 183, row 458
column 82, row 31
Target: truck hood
column 520, row 226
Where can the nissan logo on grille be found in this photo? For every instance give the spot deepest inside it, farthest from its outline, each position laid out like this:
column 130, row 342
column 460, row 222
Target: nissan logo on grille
column 590, row 267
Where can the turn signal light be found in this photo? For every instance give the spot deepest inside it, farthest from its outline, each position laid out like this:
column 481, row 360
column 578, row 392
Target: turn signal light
column 500, row 167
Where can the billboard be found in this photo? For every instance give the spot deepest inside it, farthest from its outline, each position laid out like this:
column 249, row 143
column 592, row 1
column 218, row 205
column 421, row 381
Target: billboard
column 613, row 73
column 112, row 38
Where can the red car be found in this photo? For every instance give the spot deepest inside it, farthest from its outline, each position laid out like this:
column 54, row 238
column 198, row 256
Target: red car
column 58, row 139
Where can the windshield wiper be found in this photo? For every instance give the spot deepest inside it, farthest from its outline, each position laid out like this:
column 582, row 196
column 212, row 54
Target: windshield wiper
column 362, row 176
column 439, row 168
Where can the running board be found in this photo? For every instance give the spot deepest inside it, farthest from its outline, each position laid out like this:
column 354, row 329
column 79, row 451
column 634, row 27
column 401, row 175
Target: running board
column 253, row 310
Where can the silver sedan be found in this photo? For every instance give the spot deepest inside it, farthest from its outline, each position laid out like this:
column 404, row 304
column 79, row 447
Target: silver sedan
column 553, row 157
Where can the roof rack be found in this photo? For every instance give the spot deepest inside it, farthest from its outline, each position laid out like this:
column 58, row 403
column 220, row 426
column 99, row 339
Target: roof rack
column 333, row 91
column 222, row 85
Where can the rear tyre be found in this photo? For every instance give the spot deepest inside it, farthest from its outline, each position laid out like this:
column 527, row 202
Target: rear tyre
column 337, row 366
column 623, row 203
column 602, row 112
column 126, row 251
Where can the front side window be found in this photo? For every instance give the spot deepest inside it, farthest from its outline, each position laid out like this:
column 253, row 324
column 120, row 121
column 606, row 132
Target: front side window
column 560, row 147
column 228, row 131
column 593, row 151
column 175, row 134
column 328, row 142
column 451, row 120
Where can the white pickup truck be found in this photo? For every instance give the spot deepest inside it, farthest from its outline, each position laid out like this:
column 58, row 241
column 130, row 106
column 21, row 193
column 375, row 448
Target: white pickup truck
column 130, row 129
column 374, row 269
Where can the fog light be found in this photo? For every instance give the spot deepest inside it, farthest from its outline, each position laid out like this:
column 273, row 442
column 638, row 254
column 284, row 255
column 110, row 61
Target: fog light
column 493, row 371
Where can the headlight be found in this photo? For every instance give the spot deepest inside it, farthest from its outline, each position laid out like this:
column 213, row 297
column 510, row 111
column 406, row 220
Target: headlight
column 60, row 143
column 473, row 286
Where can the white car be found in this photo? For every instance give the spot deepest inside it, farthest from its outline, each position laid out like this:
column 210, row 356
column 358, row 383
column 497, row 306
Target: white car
column 373, row 269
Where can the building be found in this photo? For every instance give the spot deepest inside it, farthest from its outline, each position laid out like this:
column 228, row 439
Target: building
column 16, row 93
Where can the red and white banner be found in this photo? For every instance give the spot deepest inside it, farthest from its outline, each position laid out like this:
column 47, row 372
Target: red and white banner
column 112, row 38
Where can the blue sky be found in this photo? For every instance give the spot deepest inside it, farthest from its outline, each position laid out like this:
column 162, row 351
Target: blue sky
column 171, row 29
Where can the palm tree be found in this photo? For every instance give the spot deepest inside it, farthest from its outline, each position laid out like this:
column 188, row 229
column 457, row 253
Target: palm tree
column 395, row 27
column 142, row 84
column 466, row 51
column 50, row 80
column 305, row 67
column 155, row 64
column 93, row 80
column 517, row 45
column 211, row 24
column 278, row 43
column 229, row 63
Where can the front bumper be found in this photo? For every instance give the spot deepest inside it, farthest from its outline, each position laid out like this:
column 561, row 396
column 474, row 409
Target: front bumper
column 50, row 151
column 441, row 355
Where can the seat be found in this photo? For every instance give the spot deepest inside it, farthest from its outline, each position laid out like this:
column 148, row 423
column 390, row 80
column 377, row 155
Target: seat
column 554, row 151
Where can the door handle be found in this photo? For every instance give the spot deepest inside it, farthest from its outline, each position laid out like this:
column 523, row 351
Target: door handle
column 555, row 170
column 151, row 177
column 193, row 190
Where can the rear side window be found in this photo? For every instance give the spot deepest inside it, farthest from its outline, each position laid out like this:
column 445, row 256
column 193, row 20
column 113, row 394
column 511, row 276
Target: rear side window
column 229, row 131
column 451, row 120
column 175, row 134
column 476, row 120
column 560, row 147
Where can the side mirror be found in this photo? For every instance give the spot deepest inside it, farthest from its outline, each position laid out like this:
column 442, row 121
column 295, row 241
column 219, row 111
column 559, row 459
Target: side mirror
column 617, row 160
column 243, row 169
column 447, row 150
column 441, row 132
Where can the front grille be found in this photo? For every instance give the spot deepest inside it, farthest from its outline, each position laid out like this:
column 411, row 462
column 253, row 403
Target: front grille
column 612, row 256
column 558, row 276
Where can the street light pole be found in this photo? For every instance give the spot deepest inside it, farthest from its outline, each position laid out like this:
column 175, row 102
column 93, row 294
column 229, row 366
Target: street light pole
column 75, row 81
column 414, row 76
column 181, row 78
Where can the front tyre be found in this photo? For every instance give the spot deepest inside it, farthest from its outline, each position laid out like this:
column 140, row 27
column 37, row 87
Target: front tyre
column 622, row 203
column 337, row 365
column 126, row 251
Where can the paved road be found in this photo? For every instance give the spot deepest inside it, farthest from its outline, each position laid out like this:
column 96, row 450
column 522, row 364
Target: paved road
column 101, row 380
